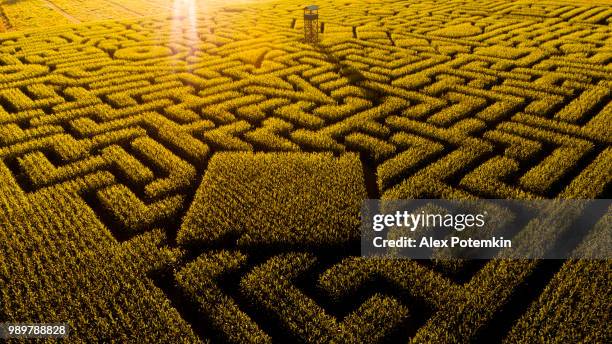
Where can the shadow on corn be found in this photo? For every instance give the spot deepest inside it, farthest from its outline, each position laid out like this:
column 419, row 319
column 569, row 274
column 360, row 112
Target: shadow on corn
column 356, row 78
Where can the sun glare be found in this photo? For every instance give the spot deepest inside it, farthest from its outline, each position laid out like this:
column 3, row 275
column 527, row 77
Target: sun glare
column 184, row 19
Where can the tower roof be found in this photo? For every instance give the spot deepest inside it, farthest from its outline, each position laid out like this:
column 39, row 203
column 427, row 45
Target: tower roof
column 311, row 7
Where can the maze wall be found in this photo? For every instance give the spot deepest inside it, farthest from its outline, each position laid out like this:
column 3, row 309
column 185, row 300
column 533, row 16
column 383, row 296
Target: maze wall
column 107, row 130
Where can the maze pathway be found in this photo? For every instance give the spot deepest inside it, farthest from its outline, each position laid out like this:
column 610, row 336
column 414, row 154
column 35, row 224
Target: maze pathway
column 111, row 131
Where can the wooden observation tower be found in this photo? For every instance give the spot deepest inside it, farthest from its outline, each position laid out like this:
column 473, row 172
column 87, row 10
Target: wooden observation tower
column 311, row 24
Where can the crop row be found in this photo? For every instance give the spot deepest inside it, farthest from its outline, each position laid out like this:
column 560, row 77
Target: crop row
column 251, row 202
column 86, row 275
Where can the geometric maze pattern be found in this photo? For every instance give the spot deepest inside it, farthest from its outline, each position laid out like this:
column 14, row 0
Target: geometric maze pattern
column 452, row 99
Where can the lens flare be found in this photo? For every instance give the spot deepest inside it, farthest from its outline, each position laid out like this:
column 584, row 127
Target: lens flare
column 184, row 19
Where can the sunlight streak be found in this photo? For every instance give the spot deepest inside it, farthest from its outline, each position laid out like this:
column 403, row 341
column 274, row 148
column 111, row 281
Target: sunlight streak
column 184, row 20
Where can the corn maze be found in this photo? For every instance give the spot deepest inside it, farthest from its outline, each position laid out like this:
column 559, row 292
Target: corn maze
column 182, row 178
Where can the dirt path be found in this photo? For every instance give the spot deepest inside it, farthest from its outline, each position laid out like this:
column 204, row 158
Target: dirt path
column 118, row 4
column 5, row 24
column 60, row 10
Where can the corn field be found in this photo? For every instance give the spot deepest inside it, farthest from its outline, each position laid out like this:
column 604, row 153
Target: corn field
column 196, row 175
